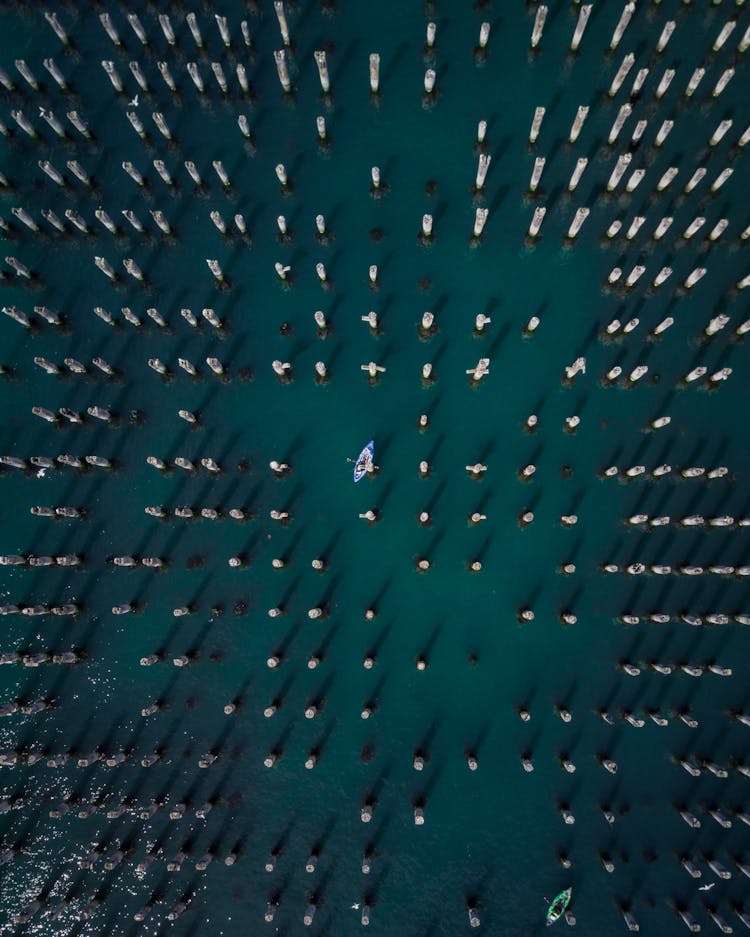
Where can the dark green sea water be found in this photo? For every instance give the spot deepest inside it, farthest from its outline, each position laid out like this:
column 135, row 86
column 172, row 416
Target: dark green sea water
column 493, row 836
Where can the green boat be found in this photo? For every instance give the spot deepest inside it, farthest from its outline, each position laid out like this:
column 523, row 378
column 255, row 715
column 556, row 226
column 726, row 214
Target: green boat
column 558, row 906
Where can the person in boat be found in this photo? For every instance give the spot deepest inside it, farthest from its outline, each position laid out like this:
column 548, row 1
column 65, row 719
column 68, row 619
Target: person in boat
column 364, row 461
column 558, row 905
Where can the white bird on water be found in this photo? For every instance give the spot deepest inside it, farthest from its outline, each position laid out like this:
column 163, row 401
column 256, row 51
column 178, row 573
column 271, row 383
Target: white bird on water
column 706, row 887
column 134, row 102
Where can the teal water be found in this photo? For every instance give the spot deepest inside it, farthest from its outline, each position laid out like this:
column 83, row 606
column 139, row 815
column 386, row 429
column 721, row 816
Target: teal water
column 494, row 835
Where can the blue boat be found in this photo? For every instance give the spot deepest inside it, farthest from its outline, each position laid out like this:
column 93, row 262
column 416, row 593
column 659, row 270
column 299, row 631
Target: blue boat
column 364, row 461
